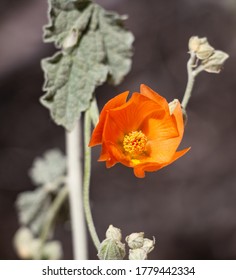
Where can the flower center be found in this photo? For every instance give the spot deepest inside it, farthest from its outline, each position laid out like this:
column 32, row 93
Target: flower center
column 135, row 142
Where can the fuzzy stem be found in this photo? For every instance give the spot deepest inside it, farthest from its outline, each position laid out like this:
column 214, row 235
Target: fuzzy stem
column 52, row 212
column 191, row 80
column 87, row 174
column 94, row 112
column 73, row 147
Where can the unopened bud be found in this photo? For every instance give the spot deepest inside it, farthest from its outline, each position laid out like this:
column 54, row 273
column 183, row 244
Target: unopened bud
column 135, row 240
column 137, row 254
column 200, row 47
column 205, row 50
column 114, row 233
column 22, row 242
column 194, row 43
column 215, row 63
column 148, row 245
column 111, row 249
column 52, row 250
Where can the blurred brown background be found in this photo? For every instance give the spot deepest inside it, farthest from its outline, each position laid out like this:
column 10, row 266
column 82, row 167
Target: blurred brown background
column 189, row 206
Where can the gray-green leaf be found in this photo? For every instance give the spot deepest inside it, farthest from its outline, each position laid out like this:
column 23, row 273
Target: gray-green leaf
column 64, row 18
column 48, row 168
column 71, row 80
column 117, row 43
column 32, row 207
column 94, row 45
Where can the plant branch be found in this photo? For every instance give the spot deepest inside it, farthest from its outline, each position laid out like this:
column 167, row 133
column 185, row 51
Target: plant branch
column 191, row 80
column 52, row 212
column 94, row 112
column 87, row 174
column 73, row 147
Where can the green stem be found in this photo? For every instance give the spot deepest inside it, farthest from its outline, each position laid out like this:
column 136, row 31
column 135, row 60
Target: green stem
column 52, row 212
column 87, row 174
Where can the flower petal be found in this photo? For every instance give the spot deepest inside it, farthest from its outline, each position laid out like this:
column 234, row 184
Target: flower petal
column 118, row 155
column 178, row 115
column 167, row 136
column 179, row 154
column 113, row 103
column 104, row 153
column 148, row 92
column 111, row 131
column 156, row 128
column 140, row 170
column 130, row 116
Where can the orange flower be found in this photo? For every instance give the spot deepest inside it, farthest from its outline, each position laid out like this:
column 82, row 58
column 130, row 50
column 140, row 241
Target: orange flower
column 143, row 132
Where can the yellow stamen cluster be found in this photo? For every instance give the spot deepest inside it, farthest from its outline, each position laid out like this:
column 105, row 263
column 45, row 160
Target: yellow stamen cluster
column 135, row 143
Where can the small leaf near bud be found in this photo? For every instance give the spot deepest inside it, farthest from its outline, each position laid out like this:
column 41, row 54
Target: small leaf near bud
column 114, row 233
column 135, row 240
column 215, row 63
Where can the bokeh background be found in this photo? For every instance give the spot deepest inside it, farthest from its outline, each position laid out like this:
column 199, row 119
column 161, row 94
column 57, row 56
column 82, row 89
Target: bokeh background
column 189, row 206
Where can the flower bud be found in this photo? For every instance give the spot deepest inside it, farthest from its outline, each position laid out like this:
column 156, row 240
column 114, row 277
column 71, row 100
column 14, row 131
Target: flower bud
column 52, row 250
column 200, row 47
column 114, row 233
column 194, row 43
column 148, row 245
column 22, row 242
column 137, row 254
column 205, row 50
column 215, row 63
column 111, row 249
column 135, row 240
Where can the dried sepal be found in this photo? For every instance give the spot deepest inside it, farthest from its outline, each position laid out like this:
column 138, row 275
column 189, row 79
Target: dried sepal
column 172, row 105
